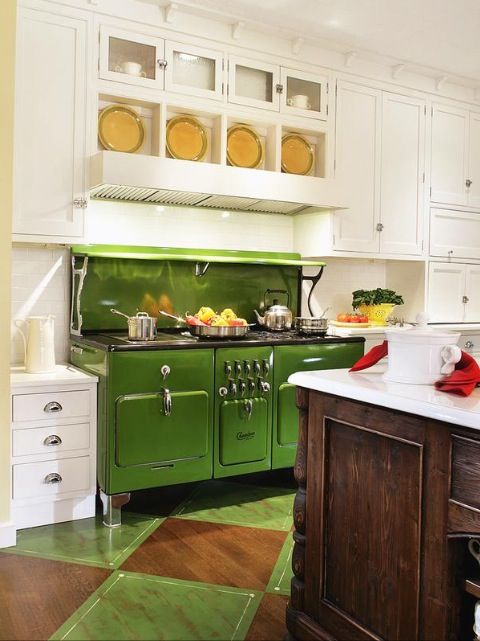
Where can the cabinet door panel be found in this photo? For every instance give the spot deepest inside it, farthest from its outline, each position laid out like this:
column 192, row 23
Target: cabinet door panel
column 401, row 202
column 50, row 129
column 473, row 192
column 454, row 234
column 193, row 70
column 449, row 155
column 243, row 431
column 357, row 167
column 446, row 288
column 253, row 83
column 472, row 288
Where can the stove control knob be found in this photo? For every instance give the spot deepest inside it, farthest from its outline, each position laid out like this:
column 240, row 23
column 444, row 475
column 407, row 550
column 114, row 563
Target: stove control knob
column 165, row 371
column 233, row 388
column 247, row 367
column 223, row 391
column 228, row 368
column 266, row 366
column 242, row 386
column 238, row 368
column 256, row 367
column 264, row 387
column 251, row 385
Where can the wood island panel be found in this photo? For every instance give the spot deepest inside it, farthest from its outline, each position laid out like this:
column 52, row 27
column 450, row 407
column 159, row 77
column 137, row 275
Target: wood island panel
column 373, row 558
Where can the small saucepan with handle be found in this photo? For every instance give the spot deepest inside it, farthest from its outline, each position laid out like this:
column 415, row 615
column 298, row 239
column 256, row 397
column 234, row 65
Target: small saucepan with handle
column 141, row 327
column 314, row 326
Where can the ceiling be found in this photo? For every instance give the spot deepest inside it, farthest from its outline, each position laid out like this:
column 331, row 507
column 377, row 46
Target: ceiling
column 441, row 35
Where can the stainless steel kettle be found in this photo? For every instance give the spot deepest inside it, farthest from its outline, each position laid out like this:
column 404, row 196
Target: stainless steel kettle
column 277, row 317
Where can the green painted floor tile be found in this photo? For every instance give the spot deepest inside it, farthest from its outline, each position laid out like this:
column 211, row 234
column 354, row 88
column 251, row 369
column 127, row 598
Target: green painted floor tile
column 282, row 572
column 238, row 504
column 139, row 606
column 86, row 541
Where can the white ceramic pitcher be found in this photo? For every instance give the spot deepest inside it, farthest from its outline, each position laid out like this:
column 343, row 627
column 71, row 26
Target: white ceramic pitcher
column 39, row 346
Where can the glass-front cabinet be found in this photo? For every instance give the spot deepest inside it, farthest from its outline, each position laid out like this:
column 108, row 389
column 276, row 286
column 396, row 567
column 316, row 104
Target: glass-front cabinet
column 131, row 58
column 303, row 94
column 193, row 70
column 254, row 84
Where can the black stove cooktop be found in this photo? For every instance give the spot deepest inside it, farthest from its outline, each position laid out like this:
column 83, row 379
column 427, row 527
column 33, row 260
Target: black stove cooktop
column 178, row 339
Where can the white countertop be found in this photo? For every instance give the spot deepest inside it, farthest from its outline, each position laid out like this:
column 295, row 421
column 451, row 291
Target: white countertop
column 64, row 374
column 464, row 328
column 369, row 387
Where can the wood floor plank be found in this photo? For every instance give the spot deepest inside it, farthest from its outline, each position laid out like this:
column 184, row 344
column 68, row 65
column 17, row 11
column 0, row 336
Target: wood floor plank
column 215, row 553
column 38, row 595
column 269, row 622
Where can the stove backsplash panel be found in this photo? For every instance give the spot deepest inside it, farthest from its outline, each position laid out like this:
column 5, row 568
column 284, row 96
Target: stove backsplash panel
column 132, row 285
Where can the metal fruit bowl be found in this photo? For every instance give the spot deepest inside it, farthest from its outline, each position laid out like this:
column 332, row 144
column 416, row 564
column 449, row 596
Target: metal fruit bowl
column 207, row 331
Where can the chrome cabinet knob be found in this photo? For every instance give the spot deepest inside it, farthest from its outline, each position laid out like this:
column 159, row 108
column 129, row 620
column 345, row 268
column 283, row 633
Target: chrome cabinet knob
column 52, row 478
column 165, row 371
column 266, row 367
column 256, row 367
column 469, row 344
column 233, row 388
column 238, row 368
column 379, row 227
column 465, row 299
column 222, row 391
column 468, row 182
column 228, row 368
column 251, row 385
column 264, row 387
column 247, row 367
column 242, row 386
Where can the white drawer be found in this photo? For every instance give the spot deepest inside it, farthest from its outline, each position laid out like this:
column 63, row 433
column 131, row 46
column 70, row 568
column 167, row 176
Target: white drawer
column 52, row 439
column 33, row 407
column 30, row 479
column 469, row 343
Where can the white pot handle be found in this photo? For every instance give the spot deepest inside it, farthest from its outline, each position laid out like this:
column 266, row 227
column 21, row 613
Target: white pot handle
column 451, row 354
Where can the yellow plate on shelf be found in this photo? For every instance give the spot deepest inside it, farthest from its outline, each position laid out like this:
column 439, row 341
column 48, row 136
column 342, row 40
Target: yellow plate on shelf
column 120, row 128
column 297, row 155
column 244, row 147
column 186, row 138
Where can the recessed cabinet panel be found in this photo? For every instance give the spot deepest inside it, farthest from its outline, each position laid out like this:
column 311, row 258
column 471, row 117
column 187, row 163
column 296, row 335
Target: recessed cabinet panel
column 253, row 83
column 131, row 58
column 50, row 124
column 193, row 70
column 473, row 192
column 304, row 94
column 243, row 431
column 472, row 292
column 449, row 155
column 454, row 234
column 357, row 167
column 446, row 290
column 401, row 207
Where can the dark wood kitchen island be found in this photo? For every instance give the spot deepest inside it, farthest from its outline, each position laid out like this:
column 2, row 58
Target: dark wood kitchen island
column 389, row 495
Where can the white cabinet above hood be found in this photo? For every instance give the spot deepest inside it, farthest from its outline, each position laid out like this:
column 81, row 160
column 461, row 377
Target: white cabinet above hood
column 150, row 179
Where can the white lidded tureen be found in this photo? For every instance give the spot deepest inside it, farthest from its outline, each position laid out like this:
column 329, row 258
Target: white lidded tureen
column 421, row 355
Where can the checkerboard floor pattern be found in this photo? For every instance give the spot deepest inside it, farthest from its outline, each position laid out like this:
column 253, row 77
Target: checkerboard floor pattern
column 210, row 560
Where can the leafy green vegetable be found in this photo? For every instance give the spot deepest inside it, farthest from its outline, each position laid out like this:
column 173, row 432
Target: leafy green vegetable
column 375, row 297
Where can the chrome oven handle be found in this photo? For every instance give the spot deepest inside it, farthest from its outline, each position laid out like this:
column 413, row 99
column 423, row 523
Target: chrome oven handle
column 167, row 402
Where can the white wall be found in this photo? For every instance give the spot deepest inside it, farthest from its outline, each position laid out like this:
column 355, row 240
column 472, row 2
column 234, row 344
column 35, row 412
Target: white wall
column 40, row 285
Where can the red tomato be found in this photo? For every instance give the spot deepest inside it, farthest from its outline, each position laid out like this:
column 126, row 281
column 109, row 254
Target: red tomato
column 363, row 318
column 353, row 318
column 342, row 318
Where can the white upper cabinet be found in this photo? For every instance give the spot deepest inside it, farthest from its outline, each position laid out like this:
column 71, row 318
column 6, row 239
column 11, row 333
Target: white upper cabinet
column 472, row 293
column 133, row 58
column 50, row 126
column 357, row 145
column 380, row 139
column 303, row 94
column 253, row 83
column 446, row 292
column 455, row 178
column 402, row 174
column 454, row 234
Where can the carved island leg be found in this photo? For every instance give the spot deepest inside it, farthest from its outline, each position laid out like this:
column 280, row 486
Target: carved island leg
column 296, row 602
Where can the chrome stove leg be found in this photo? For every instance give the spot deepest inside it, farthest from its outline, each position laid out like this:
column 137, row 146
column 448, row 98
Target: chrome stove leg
column 112, row 508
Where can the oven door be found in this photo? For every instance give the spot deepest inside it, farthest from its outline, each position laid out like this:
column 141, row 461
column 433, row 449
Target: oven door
column 243, row 431
column 151, row 429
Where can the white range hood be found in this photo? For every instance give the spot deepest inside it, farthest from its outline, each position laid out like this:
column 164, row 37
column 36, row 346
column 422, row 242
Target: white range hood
column 149, row 179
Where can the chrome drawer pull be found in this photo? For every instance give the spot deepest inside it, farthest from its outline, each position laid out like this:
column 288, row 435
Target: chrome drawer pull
column 53, row 439
column 53, row 477
column 167, row 402
column 52, row 407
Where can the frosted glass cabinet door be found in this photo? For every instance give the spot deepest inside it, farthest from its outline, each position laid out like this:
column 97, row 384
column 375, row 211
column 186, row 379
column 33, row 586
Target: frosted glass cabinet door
column 50, row 125
column 449, row 155
column 252, row 83
column 193, row 70
column 131, row 57
column 303, row 94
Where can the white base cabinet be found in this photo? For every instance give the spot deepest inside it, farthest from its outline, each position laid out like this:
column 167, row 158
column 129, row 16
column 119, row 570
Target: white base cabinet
column 53, row 446
column 454, row 234
column 453, row 293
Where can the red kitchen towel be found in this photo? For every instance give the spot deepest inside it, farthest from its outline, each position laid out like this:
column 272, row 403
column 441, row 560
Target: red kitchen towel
column 464, row 378
column 371, row 357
